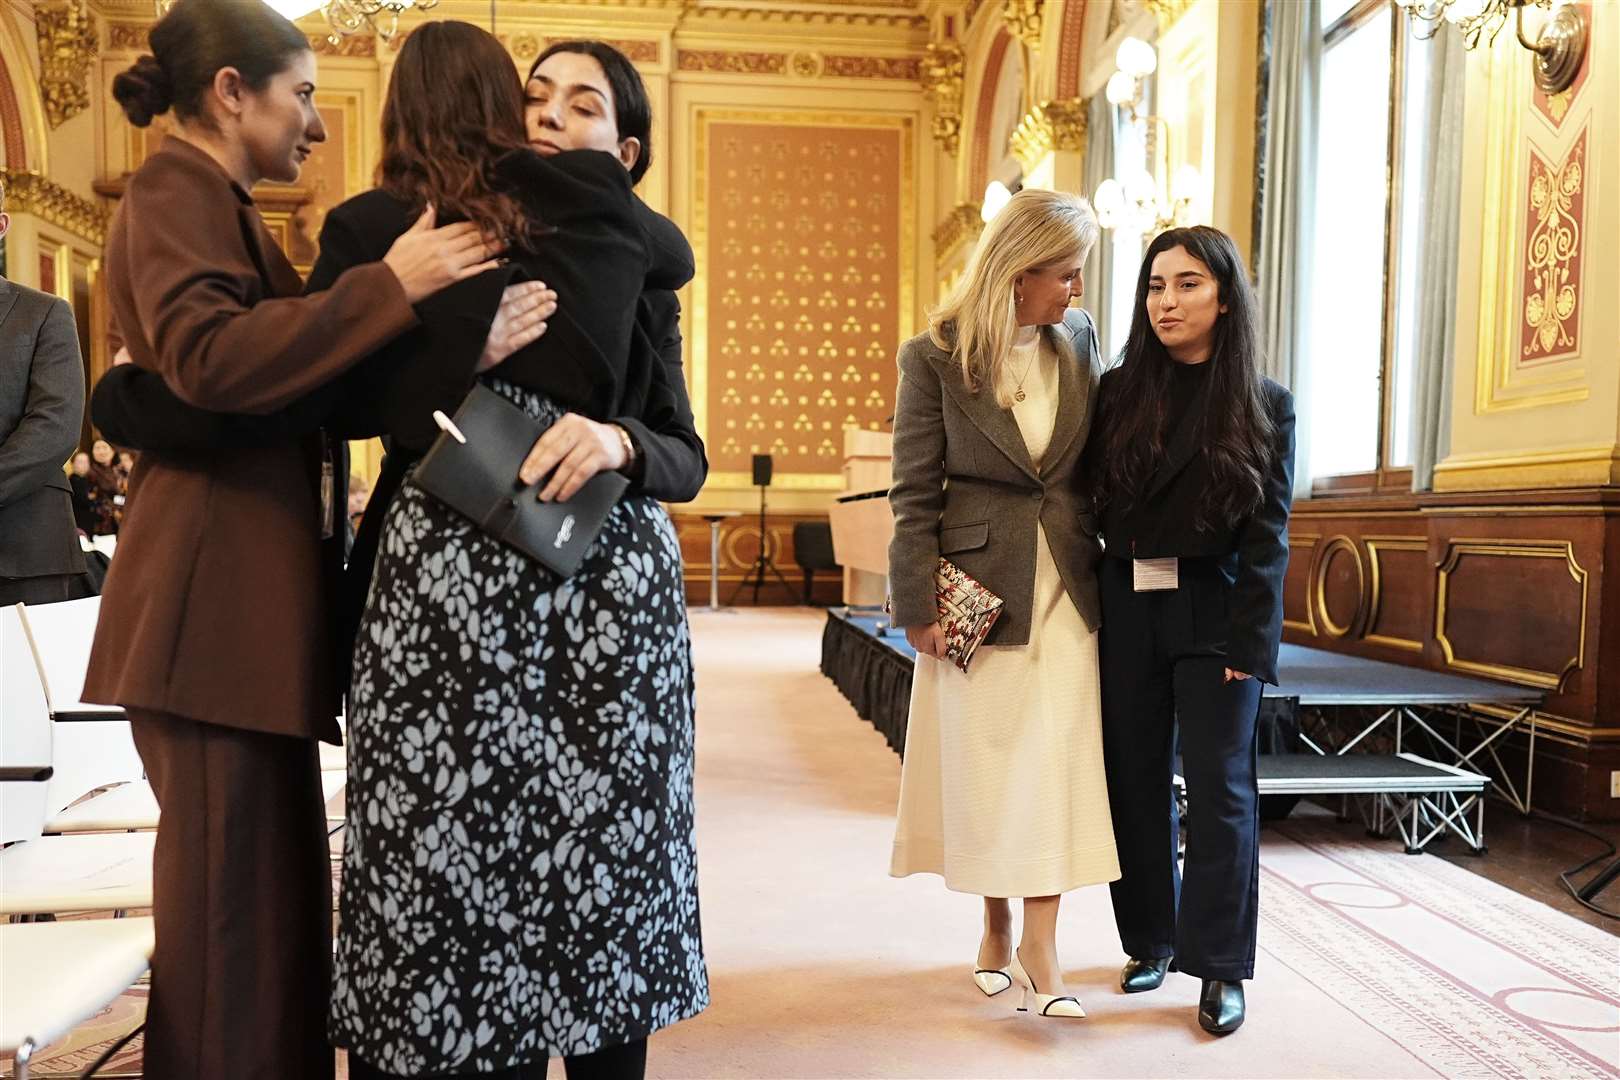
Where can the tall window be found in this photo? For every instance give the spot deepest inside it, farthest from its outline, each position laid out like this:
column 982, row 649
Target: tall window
column 1130, row 158
column 1347, row 279
column 1372, row 144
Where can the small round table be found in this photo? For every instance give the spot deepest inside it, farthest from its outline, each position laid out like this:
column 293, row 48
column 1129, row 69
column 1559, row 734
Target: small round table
column 716, row 518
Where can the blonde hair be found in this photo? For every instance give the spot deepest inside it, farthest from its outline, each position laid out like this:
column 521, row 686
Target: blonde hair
column 978, row 322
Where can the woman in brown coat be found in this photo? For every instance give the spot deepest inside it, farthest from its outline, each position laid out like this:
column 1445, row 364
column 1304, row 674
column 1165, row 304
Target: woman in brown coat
column 214, row 631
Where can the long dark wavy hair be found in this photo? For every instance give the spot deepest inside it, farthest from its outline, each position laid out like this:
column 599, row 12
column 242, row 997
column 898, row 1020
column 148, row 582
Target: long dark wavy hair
column 1237, row 432
column 454, row 109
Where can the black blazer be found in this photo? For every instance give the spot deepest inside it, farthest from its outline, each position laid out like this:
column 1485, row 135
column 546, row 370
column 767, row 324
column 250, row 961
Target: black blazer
column 41, row 410
column 1251, row 554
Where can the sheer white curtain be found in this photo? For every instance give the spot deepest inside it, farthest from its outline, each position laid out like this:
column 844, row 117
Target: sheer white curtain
column 1099, row 166
column 1284, row 249
column 1436, row 287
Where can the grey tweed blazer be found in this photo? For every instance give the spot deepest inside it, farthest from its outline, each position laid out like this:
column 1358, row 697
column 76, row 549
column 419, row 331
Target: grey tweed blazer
column 966, row 488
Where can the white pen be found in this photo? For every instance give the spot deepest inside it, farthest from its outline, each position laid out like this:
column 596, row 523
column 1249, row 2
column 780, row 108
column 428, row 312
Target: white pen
column 448, row 425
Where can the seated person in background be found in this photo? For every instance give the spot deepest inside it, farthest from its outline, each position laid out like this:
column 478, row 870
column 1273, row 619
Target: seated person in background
column 107, row 489
column 359, row 493
column 84, row 514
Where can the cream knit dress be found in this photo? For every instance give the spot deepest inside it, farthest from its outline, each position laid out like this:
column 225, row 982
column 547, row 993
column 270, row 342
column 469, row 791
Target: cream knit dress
column 1002, row 791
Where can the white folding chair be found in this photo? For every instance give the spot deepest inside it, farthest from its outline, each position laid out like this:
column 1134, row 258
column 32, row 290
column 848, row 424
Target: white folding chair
column 52, row 874
column 127, row 807
column 93, row 747
column 54, row 976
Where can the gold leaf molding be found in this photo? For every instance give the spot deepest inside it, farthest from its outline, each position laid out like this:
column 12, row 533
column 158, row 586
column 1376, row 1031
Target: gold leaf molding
column 943, row 71
column 962, row 223
column 67, row 48
column 31, row 193
column 1049, row 126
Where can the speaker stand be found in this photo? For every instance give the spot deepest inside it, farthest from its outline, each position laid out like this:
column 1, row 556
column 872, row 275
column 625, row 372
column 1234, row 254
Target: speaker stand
column 763, row 563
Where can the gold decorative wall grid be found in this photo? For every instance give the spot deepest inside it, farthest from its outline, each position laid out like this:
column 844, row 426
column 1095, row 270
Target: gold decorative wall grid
column 803, row 228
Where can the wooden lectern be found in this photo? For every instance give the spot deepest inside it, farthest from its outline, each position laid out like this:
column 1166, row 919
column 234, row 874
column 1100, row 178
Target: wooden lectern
column 862, row 523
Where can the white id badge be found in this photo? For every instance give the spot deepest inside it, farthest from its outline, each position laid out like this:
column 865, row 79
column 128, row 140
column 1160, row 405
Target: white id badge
column 1156, row 575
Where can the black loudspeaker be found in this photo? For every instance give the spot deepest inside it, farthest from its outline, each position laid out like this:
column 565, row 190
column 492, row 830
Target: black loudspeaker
column 762, row 470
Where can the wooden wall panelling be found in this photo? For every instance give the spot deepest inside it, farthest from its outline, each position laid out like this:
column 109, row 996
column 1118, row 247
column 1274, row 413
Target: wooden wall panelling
column 1506, row 585
column 1538, row 581
column 739, row 544
column 1298, row 614
column 1400, row 573
column 1339, row 587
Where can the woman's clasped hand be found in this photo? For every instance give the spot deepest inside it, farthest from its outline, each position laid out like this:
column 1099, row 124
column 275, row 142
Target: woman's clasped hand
column 427, row 257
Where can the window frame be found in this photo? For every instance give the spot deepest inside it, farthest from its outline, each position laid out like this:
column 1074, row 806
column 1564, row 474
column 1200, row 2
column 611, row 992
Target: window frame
column 1382, row 478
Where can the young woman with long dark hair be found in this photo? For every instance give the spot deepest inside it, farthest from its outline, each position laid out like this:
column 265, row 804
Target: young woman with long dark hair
column 519, row 872
column 212, row 632
column 1191, row 463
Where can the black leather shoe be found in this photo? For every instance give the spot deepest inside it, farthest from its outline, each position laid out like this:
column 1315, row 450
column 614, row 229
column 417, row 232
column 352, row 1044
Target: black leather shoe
column 1220, row 1007
column 1139, row 975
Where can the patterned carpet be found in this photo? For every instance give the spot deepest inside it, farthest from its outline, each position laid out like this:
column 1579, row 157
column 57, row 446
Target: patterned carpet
column 1469, row 977
column 1372, row 963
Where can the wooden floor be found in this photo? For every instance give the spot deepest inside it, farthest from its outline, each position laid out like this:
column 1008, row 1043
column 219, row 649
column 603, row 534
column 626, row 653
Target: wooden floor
column 1527, row 855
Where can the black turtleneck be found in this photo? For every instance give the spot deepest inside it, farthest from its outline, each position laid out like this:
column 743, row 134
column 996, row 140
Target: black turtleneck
column 1186, row 381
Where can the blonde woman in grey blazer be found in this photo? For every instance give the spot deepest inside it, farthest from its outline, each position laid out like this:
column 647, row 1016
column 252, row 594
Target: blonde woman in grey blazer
column 1003, row 791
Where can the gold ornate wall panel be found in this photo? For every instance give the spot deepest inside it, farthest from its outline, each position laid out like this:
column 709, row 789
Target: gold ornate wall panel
column 1555, row 238
column 1541, row 581
column 1339, row 585
column 1532, row 260
column 802, row 226
column 1399, row 568
column 1298, row 611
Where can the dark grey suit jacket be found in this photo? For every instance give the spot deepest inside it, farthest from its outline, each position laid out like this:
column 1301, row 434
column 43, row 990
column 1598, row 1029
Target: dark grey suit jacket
column 966, row 488
column 41, row 410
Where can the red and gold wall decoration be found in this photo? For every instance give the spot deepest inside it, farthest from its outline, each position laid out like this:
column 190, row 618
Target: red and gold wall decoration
column 803, row 230
column 1554, row 220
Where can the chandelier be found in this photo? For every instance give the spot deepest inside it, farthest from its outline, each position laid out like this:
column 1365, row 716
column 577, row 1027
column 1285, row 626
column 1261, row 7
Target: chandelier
column 345, row 17
column 1136, row 201
column 1560, row 48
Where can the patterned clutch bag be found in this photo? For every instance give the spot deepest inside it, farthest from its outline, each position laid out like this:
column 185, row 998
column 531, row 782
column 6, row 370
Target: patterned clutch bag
column 967, row 611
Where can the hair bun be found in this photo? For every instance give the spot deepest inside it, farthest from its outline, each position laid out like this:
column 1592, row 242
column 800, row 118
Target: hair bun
column 144, row 91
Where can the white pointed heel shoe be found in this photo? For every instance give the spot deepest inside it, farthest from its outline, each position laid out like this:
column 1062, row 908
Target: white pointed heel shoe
column 1064, row 1005
column 992, row 981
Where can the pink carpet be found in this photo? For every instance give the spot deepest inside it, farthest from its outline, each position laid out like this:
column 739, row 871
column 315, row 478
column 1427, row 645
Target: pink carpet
column 1372, row 963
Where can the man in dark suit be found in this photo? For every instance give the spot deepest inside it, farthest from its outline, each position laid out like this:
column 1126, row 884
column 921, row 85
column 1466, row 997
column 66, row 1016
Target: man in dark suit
column 41, row 408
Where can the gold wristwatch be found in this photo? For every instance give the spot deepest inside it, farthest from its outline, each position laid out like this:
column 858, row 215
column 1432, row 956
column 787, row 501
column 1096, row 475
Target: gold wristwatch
column 629, row 445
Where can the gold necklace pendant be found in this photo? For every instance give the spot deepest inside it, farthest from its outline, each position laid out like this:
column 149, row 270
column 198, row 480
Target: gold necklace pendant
column 1019, row 394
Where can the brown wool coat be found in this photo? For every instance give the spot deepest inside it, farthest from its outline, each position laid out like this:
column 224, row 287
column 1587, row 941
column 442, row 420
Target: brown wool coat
column 965, row 487
column 214, row 608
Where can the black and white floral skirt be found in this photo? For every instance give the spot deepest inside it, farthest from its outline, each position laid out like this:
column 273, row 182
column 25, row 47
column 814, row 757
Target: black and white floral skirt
column 519, row 876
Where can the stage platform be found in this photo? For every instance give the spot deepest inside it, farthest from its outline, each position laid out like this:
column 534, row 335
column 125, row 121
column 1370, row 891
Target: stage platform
column 1418, row 797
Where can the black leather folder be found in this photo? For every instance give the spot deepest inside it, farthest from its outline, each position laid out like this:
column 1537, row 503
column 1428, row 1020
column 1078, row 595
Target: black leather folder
column 479, row 479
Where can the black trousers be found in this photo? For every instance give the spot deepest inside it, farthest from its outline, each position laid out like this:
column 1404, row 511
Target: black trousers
column 1162, row 667
column 627, row 1061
